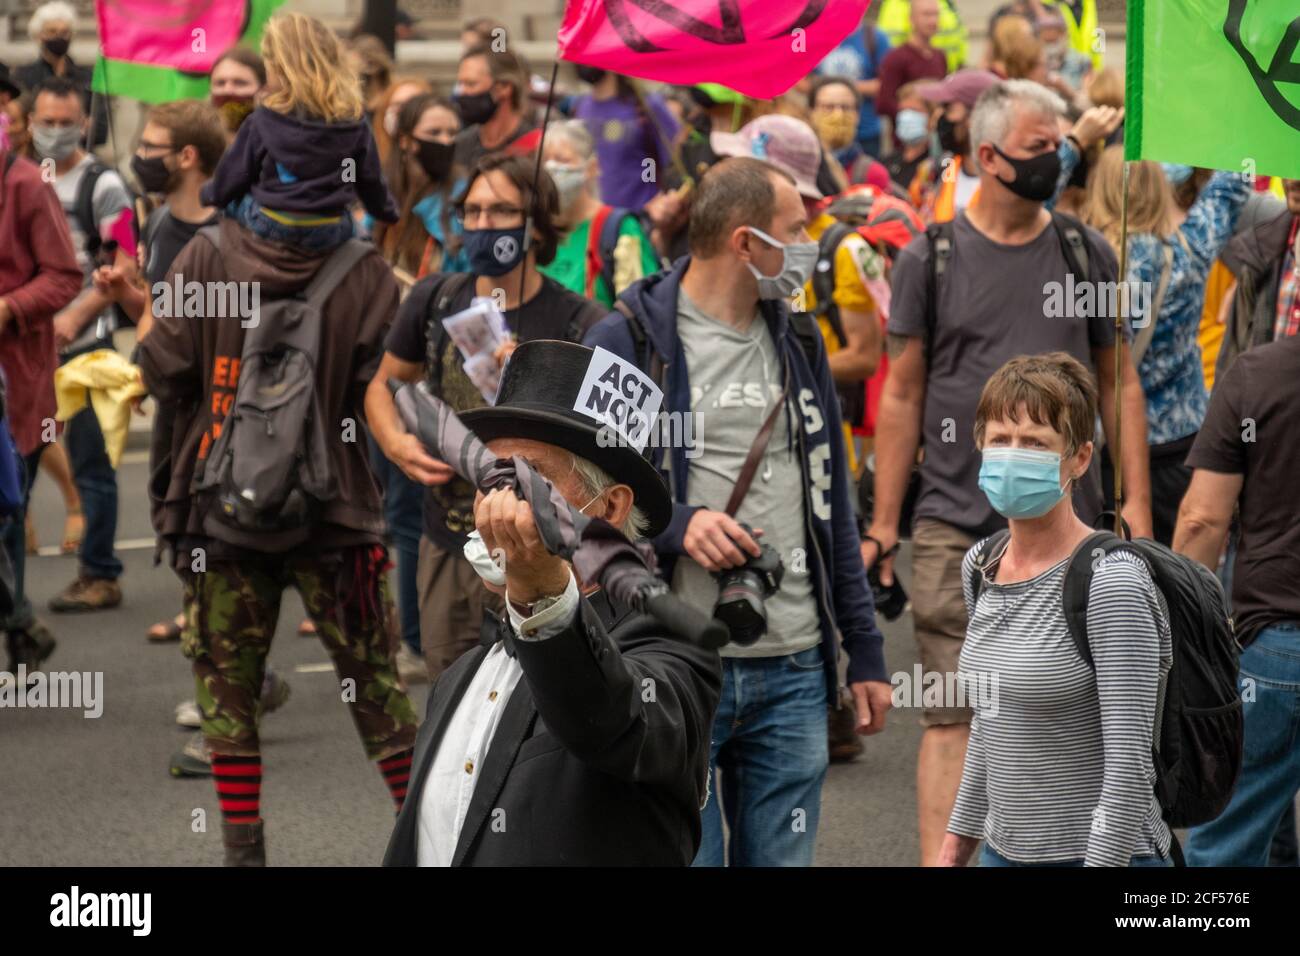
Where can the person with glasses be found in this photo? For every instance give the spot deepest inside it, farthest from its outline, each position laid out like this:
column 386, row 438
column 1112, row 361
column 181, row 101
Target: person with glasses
column 508, row 214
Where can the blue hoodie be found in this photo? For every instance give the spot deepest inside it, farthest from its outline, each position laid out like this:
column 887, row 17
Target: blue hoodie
column 844, row 599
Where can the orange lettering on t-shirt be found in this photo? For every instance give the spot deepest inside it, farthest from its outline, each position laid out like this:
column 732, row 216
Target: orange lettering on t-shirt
column 226, row 402
column 219, row 372
column 216, row 403
column 204, row 446
column 234, row 372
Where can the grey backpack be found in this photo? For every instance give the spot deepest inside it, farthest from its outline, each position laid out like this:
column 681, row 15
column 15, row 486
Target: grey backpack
column 267, row 476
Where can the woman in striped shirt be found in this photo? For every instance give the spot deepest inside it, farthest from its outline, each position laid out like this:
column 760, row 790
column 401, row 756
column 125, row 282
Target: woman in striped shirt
column 1058, row 770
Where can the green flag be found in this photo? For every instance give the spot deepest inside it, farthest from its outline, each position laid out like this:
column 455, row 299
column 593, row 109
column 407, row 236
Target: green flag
column 1214, row 83
column 159, row 50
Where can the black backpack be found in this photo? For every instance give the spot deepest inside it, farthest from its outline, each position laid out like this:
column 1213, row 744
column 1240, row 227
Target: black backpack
column 1197, row 753
column 267, row 476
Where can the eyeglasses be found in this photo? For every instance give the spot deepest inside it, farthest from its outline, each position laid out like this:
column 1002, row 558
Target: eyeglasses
column 496, row 214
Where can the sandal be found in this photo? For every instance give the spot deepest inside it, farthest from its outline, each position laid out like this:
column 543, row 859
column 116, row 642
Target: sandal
column 164, row 631
column 73, row 528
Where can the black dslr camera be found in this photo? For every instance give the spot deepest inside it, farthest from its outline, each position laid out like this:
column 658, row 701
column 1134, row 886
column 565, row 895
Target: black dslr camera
column 742, row 592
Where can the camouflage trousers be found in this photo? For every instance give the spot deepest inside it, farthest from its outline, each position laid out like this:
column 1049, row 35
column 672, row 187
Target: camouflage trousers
column 231, row 612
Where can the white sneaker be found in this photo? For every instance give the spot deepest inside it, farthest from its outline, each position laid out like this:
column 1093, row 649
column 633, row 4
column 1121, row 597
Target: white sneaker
column 410, row 666
column 187, row 714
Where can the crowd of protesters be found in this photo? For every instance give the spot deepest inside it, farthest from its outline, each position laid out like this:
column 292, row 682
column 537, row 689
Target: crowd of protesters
column 848, row 287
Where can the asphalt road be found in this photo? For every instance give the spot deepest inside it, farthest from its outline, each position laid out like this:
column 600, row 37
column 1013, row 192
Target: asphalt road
column 97, row 792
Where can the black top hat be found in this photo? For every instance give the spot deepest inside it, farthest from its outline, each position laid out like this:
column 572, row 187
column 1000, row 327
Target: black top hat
column 542, row 397
column 7, row 85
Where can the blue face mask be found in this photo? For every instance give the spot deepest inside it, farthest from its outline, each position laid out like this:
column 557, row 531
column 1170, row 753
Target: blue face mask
column 494, row 252
column 1177, row 173
column 910, row 126
column 1021, row 482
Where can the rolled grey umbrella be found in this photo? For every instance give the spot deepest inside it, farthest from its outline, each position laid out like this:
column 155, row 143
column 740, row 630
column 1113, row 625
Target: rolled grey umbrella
column 599, row 552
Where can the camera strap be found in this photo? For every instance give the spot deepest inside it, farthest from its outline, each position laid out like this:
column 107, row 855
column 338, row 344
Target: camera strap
column 750, row 467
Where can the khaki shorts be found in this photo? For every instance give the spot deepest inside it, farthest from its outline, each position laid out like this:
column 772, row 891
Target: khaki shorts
column 453, row 601
column 938, row 608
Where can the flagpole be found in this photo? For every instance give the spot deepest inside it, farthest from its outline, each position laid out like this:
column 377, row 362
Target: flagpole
column 674, row 151
column 1121, row 306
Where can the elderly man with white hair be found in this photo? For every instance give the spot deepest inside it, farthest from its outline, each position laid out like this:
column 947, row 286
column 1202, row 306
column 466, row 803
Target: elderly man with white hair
column 967, row 297
column 51, row 28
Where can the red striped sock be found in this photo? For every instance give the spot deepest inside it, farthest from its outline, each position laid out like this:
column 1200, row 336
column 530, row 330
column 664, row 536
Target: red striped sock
column 397, row 771
column 239, row 786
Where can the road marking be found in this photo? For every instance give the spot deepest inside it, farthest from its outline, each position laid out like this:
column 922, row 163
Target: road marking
column 126, row 544
column 314, row 668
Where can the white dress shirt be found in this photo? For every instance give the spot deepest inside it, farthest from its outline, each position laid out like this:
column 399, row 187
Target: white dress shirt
column 458, row 762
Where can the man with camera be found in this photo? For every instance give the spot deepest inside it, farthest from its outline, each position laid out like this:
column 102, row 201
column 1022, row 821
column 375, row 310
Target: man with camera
column 578, row 733
column 762, row 532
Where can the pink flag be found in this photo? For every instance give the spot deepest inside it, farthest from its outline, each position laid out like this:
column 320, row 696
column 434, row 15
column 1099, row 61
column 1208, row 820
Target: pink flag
column 759, row 47
column 185, row 35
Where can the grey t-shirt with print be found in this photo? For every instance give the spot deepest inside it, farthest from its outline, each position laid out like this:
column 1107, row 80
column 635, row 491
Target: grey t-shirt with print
column 735, row 378
column 994, row 304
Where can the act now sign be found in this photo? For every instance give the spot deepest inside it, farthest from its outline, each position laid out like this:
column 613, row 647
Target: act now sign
column 1215, row 83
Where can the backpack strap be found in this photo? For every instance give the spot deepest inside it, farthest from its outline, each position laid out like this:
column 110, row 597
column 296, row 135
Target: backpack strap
column 804, row 327
column 83, row 205
column 1142, row 340
column 1073, row 245
column 1078, row 582
column 212, row 234
column 607, row 239
column 647, row 357
column 446, row 288
column 990, row 546
column 940, row 236
column 823, row 278
column 333, row 271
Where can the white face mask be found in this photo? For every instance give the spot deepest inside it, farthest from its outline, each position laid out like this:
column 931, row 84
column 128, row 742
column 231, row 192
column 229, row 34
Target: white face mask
column 569, row 181
column 797, row 264
column 484, row 563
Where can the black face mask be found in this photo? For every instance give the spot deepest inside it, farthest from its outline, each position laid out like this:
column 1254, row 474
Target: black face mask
column 1035, row 177
column 475, row 108
column 589, row 74
column 949, row 141
column 434, row 158
column 57, row 47
column 152, row 174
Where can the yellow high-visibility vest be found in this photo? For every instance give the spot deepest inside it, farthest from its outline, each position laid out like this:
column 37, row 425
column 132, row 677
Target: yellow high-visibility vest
column 895, row 21
column 1085, row 37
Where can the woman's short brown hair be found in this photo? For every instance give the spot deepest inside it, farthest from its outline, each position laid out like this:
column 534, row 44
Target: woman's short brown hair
column 1055, row 390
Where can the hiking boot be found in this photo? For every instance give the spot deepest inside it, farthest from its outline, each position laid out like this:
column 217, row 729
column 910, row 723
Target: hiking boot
column 192, row 760
column 30, row 646
column 410, row 666
column 87, row 594
column 841, row 737
column 187, row 714
column 275, row 691
column 244, row 844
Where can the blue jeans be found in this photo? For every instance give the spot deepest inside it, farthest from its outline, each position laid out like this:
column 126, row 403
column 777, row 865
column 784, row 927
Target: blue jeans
column 769, row 749
column 13, row 534
column 403, row 504
column 991, row 857
column 308, row 238
column 96, row 482
column 1270, row 766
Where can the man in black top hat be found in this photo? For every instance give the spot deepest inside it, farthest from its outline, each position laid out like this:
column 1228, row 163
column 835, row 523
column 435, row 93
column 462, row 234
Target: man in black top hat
column 578, row 734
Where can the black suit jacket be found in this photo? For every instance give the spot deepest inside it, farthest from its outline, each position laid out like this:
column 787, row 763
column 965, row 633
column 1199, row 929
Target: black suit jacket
column 601, row 756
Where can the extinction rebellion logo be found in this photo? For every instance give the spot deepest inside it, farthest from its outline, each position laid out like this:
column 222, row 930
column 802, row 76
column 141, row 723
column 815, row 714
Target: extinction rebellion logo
column 1282, row 68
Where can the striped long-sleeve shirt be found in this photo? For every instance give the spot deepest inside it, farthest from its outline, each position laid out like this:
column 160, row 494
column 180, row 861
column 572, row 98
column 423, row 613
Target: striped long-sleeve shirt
column 1059, row 765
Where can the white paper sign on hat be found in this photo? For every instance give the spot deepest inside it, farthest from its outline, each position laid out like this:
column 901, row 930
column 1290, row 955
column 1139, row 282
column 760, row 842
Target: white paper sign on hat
column 621, row 396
